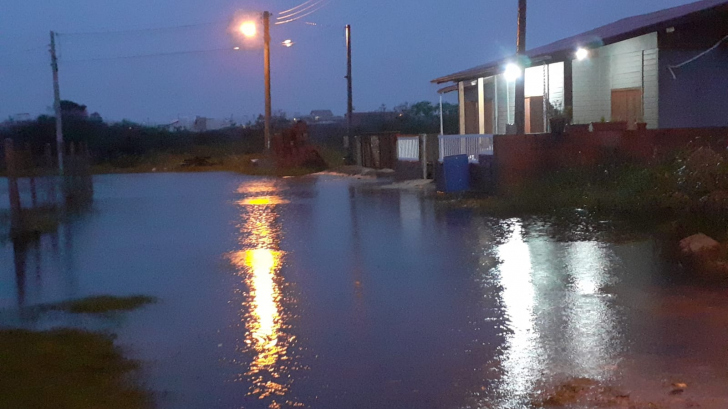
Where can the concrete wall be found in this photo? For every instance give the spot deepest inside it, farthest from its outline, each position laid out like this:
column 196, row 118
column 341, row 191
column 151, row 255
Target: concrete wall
column 631, row 63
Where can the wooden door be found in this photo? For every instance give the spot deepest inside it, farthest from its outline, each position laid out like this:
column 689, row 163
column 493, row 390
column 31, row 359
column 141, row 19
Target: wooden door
column 627, row 106
column 534, row 115
column 472, row 118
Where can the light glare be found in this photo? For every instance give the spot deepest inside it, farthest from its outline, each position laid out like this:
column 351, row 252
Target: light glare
column 512, row 72
column 248, row 29
column 582, row 54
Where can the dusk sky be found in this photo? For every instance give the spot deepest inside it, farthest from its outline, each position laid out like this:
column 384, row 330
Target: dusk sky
column 399, row 46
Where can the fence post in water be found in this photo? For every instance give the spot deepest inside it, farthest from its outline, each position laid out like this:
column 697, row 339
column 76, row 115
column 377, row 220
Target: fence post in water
column 70, row 175
column 357, row 146
column 423, row 155
column 50, row 180
column 88, row 182
column 33, row 193
column 13, row 192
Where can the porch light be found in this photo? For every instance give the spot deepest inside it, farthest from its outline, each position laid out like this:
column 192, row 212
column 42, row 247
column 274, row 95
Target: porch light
column 512, row 72
column 582, row 54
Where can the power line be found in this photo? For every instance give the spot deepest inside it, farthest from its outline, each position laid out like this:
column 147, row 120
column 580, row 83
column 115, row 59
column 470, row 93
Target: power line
column 325, row 2
column 144, row 30
column 309, row 7
column 125, row 57
column 297, row 7
column 23, row 51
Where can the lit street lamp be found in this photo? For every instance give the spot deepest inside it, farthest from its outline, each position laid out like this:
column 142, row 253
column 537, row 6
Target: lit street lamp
column 249, row 29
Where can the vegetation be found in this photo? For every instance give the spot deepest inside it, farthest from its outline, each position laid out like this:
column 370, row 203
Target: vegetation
column 128, row 147
column 103, row 304
column 66, row 369
column 688, row 189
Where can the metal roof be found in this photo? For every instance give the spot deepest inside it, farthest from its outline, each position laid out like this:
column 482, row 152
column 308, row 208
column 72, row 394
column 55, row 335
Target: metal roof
column 604, row 35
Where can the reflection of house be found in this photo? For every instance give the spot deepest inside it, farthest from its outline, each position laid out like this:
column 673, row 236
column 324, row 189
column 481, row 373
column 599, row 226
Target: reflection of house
column 668, row 69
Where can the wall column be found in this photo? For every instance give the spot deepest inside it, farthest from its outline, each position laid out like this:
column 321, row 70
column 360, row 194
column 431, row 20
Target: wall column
column 568, row 85
column 481, row 106
column 461, row 106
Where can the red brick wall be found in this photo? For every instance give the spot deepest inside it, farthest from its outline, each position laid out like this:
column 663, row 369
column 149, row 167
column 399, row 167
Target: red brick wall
column 521, row 157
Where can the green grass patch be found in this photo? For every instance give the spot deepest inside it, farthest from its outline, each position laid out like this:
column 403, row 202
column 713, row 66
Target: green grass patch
column 67, row 369
column 102, row 304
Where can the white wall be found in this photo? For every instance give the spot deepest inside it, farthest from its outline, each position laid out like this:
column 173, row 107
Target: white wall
column 556, row 84
column 616, row 66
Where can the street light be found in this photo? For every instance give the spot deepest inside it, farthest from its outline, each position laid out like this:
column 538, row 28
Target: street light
column 249, row 29
column 582, row 54
column 512, row 72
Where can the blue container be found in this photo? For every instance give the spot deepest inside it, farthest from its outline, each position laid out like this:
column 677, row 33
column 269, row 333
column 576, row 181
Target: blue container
column 456, row 173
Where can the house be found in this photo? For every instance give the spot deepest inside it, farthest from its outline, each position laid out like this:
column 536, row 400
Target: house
column 668, row 69
column 320, row 116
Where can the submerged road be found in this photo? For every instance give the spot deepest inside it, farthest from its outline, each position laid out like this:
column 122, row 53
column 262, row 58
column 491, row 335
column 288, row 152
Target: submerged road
column 314, row 292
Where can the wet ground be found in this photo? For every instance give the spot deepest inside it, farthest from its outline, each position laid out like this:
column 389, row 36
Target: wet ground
column 312, row 292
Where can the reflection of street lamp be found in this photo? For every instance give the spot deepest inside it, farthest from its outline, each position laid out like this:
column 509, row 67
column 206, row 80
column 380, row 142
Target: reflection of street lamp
column 249, row 29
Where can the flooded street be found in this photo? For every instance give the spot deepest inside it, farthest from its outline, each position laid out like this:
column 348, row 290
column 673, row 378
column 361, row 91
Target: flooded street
column 314, row 292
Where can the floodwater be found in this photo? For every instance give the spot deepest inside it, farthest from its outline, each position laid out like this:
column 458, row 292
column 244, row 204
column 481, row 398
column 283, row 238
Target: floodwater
column 316, row 292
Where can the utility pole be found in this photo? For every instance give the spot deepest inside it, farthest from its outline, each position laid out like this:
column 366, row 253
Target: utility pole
column 350, row 104
column 266, row 57
column 57, row 103
column 520, row 111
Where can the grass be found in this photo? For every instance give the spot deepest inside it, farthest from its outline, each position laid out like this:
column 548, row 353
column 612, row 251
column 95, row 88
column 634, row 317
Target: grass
column 67, row 369
column 219, row 162
column 102, row 304
column 676, row 197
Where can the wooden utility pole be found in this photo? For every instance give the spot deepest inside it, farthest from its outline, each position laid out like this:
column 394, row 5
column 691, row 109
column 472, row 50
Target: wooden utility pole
column 520, row 111
column 266, row 57
column 57, row 103
column 350, row 104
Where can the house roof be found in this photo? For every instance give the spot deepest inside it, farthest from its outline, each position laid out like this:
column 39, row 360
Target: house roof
column 604, row 35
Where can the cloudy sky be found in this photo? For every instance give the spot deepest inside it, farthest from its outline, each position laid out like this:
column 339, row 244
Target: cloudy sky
column 157, row 60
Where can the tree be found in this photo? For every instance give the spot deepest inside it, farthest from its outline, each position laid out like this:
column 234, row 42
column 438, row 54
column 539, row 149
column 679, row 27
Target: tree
column 72, row 109
column 423, row 109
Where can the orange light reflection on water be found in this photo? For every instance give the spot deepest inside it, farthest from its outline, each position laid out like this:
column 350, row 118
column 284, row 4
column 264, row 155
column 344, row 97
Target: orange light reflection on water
column 259, row 264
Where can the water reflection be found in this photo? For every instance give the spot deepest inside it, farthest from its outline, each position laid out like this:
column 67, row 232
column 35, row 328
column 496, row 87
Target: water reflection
column 593, row 333
column 259, row 263
column 560, row 320
column 523, row 355
column 43, row 270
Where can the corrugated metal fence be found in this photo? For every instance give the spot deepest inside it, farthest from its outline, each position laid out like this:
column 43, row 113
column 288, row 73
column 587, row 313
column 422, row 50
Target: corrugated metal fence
column 471, row 145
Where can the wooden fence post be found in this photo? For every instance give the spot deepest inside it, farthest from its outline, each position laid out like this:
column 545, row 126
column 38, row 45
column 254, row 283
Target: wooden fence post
column 33, row 192
column 13, row 192
column 49, row 172
column 423, row 154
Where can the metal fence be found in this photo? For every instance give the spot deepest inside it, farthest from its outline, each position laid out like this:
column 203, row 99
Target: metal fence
column 37, row 194
column 471, row 145
column 408, row 148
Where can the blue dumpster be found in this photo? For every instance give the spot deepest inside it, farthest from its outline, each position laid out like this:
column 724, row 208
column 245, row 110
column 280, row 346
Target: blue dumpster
column 456, row 173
